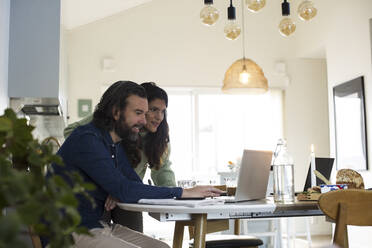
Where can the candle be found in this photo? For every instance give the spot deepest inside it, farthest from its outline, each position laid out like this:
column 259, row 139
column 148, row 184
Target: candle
column 312, row 167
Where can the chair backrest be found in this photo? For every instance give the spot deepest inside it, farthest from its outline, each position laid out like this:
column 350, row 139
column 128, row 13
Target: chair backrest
column 347, row 207
column 36, row 243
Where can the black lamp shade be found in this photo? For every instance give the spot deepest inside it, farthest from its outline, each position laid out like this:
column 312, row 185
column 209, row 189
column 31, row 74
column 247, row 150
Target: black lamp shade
column 208, row 2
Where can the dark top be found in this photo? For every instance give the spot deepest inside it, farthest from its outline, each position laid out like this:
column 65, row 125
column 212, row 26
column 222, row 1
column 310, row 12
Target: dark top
column 92, row 153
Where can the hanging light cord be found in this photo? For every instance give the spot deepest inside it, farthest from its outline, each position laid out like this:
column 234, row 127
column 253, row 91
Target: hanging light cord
column 243, row 27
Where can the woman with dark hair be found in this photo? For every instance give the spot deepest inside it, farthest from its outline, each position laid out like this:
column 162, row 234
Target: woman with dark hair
column 152, row 149
column 155, row 138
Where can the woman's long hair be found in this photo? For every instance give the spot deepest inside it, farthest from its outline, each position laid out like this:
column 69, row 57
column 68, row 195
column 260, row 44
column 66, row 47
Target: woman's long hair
column 156, row 144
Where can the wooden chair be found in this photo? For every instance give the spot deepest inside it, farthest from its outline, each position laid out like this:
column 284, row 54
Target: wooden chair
column 36, row 242
column 347, row 207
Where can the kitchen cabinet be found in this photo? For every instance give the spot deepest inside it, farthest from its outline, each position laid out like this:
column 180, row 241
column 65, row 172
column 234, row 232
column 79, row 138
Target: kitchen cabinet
column 37, row 69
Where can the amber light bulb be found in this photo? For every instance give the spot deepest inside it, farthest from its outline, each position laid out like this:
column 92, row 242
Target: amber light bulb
column 209, row 14
column 306, row 10
column 232, row 29
column 287, row 27
column 255, row 5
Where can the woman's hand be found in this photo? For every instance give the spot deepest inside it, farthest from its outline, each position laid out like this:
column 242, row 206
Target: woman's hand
column 110, row 203
column 201, row 191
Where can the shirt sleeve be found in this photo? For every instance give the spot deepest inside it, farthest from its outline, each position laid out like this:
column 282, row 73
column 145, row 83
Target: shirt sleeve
column 68, row 130
column 165, row 175
column 92, row 156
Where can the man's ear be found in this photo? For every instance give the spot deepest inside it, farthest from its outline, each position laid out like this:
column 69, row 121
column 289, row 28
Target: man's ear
column 115, row 113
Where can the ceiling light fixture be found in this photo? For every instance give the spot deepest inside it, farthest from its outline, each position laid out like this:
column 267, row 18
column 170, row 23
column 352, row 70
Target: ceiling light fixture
column 232, row 29
column 255, row 5
column 209, row 14
column 306, row 10
column 244, row 75
column 286, row 26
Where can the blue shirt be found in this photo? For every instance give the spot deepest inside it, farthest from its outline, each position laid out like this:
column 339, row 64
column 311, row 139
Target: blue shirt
column 91, row 152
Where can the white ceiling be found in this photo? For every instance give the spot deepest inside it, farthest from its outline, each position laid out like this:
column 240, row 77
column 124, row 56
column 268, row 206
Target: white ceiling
column 76, row 13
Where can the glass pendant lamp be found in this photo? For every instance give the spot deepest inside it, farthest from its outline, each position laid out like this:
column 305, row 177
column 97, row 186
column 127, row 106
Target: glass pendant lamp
column 232, row 29
column 255, row 5
column 244, row 75
column 209, row 14
column 286, row 26
column 306, row 10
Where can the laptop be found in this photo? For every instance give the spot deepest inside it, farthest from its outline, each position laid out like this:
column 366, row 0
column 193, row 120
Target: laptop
column 324, row 166
column 253, row 176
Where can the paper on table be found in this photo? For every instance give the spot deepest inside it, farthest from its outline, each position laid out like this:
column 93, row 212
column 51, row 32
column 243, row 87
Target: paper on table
column 186, row 203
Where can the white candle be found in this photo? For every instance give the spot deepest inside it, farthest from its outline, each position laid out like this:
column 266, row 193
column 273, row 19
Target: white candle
column 312, row 167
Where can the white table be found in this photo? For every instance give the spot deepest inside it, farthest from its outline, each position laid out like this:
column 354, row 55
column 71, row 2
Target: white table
column 198, row 216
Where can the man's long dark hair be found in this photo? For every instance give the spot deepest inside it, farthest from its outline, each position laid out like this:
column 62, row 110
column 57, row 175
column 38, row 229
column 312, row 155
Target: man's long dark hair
column 115, row 97
column 156, row 144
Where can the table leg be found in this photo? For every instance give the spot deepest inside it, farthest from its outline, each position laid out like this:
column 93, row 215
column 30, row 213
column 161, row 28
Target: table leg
column 200, row 230
column 237, row 226
column 178, row 234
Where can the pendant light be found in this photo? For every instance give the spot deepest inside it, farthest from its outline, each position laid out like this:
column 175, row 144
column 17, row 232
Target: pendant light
column 255, row 5
column 286, row 26
column 209, row 14
column 306, row 10
column 244, row 75
column 232, row 29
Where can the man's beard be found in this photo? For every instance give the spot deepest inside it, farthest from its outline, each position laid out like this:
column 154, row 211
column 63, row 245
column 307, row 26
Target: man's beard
column 124, row 131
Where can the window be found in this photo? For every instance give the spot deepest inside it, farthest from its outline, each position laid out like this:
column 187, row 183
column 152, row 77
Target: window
column 208, row 128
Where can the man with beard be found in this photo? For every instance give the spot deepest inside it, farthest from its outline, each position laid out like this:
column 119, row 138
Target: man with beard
column 100, row 151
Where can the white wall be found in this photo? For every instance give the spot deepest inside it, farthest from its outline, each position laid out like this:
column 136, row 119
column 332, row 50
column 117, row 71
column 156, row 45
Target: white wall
column 306, row 123
column 4, row 51
column 344, row 35
column 306, row 114
column 349, row 56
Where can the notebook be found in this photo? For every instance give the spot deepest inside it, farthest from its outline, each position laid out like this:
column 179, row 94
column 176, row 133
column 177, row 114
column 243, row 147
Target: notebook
column 253, row 176
column 324, row 166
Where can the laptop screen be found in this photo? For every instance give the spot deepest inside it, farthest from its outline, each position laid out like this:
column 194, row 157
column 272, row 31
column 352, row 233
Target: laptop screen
column 324, row 166
column 253, row 175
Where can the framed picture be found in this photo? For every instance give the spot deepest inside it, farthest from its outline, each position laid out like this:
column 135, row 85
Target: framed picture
column 350, row 125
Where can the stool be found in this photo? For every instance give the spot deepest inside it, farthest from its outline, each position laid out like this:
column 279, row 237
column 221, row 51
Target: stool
column 232, row 241
column 228, row 241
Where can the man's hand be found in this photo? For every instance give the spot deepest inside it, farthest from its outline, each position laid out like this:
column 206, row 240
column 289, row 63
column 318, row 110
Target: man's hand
column 201, row 191
column 110, row 203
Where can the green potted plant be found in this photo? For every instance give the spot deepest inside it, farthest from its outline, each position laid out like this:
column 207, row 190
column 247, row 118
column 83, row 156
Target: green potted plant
column 47, row 204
